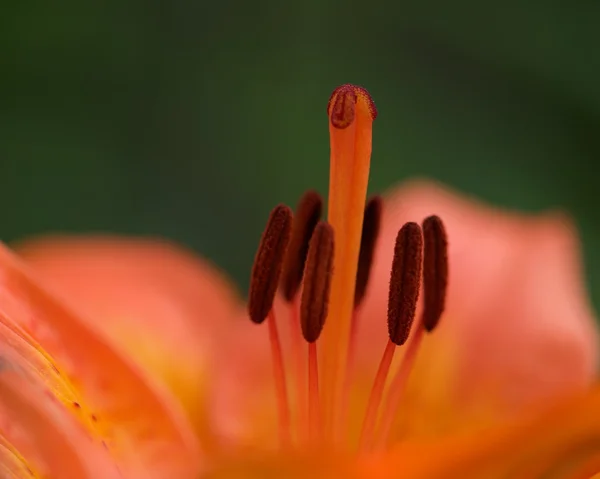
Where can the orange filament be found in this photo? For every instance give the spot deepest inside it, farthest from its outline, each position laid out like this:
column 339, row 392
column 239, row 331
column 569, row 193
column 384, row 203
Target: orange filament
column 307, row 215
column 313, row 311
column 343, row 416
column 397, row 387
column 375, row 397
column 298, row 361
column 351, row 113
column 314, row 407
column 283, row 405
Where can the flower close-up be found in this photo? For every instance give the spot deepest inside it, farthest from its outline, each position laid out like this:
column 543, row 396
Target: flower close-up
column 417, row 334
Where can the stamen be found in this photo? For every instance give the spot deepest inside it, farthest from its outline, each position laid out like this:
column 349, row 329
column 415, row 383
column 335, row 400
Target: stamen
column 297, row 342
column 308, row 213
column 351, row 113
column 366, row 435
column 404, row 282
column 317, row 279
column 313, row 311
column 263, row 285
column 268, row 263
column 314, row 404
column 435, row 281
column 435, row 271
column 403, row 295
column 283, row 403
column 398, row 383
column 370, row 232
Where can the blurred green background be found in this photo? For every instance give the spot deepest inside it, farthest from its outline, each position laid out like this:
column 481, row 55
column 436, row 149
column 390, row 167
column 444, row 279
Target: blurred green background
column 191, row 119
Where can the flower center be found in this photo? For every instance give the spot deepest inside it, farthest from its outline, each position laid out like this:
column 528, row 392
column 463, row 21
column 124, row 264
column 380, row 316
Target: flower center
column 322, row 269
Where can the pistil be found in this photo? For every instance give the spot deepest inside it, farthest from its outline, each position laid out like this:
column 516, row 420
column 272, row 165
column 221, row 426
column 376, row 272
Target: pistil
column 351, row 113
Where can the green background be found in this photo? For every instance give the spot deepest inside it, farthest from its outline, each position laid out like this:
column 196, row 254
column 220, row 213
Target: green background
column 191, row 119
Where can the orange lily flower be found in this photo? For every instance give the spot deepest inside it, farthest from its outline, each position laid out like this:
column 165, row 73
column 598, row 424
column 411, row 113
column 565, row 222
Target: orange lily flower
column 125, row 358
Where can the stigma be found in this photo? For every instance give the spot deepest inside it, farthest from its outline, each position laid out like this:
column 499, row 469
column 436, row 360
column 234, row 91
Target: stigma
column 321, row 269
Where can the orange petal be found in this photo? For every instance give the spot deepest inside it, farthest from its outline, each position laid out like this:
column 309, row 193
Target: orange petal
column 518, row 322
column 143, row 427
column 562, row 437
column 12, row 464
column 37, row 429
column 291, row 465
column 242, row 396
column 160, row 303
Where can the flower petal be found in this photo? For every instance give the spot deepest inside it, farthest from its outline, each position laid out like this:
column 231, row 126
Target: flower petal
column 36, row 428
column 242, row 396
column 561, row 439
column 12, row 464
column 518, row 327
column 167, row 308
column 143, row 428
column 564, row 437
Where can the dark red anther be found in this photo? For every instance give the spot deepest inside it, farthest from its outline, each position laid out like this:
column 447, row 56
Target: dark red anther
column 308, row 214
column 370, row 232
column 317, row 281
column 405, row 280
column 268, row 263
column 435, row 271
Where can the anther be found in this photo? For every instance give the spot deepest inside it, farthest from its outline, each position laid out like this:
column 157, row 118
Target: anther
column 307, row 215
column 404, row 282
column 268, row 263
column 370, row 231
column 317, row 280
column 342, row 105
column 435, row 271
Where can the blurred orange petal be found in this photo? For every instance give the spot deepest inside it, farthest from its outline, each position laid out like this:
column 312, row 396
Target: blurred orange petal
column 518, row 325
column 143, row 428
column 161, row 304
column 35, row 426
column 563, row 437
column 561, row 440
